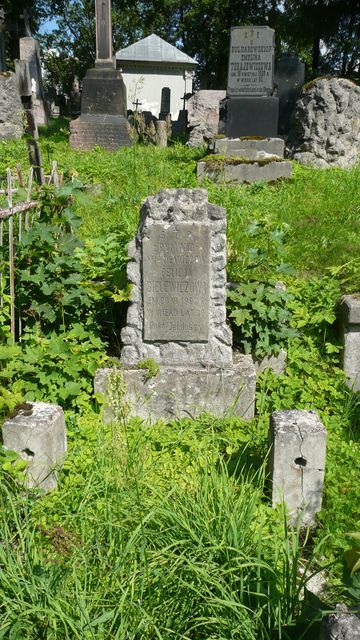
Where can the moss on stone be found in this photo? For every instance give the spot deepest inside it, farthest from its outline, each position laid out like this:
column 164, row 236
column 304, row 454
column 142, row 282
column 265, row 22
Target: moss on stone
column 253, row 138
column 218, row 160
column 311, row 83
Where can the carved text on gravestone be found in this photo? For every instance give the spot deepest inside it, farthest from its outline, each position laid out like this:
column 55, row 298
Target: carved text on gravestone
column 176, row 282
column 251, row 61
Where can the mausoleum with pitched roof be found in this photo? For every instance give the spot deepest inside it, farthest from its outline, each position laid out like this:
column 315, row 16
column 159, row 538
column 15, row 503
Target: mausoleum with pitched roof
column 157, row 75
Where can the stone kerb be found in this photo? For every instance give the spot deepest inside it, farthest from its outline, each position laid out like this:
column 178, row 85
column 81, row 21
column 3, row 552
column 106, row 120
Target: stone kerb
column 201, row 228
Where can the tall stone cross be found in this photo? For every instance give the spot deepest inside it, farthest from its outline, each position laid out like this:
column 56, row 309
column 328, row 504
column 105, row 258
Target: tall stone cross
column 104, row 55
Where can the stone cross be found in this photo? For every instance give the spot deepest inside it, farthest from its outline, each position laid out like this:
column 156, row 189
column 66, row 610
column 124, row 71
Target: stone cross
column 103, row 31
column 137, row 104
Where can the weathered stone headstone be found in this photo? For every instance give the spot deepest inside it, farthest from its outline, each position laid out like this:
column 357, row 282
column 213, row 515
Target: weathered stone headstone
column 38, row 433
column 203, row 116
column 29, row 51
column 250, row 109
column 75, row 98
column 297, row 463
column 102, row 121
column 161, row 133
column 165, row 103
column 11, row 125
column 177, row 315
column 289, row 78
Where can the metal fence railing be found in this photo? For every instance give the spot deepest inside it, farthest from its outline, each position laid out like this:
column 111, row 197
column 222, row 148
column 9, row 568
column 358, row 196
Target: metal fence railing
column 14, row 219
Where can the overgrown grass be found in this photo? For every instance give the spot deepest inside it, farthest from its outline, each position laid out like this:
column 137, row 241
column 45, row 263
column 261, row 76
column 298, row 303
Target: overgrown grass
column 123, row 551
column 166, row 532
column 320, row 208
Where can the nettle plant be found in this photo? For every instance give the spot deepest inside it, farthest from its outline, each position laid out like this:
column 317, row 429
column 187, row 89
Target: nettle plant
column 257, row 302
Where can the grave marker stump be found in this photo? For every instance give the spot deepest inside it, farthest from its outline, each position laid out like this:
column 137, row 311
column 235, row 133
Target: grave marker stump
column 38, row 433
column 297, row 463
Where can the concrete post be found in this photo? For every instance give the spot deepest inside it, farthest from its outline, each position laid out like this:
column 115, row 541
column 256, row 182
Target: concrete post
column 161, row 133
column 37, row 432
column 350, row 322
column 297, row 463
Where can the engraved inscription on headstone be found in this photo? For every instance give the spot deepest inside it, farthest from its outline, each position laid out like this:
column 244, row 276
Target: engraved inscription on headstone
column 176, row 277
column 251, row 61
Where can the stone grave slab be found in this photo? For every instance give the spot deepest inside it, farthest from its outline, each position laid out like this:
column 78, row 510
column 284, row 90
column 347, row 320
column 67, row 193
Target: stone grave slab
column 250, row 109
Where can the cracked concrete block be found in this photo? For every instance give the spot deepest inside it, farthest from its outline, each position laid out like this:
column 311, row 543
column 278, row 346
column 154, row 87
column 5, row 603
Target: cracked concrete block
column 297, row 463
column 38, row 433
column 350, row 323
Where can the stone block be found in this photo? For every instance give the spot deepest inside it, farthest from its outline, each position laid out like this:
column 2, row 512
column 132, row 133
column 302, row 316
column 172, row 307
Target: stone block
column 203, row 116
column 103, row 107
column 244, row 172
column 107, row 131
column 340, row 625
column 249, row 149
column 38, row 433
column 350, row 324
column 250, row 117
column 177, row 392
column 297, row 463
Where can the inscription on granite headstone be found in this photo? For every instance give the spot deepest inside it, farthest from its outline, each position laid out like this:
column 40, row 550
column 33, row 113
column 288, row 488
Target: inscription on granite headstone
column 176, row 282
column 251, row 61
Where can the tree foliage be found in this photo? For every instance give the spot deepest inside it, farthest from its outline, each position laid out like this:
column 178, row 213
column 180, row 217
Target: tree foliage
column 325, row 33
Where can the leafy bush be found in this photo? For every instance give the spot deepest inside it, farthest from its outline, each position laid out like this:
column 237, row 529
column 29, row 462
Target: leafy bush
column 261, row 318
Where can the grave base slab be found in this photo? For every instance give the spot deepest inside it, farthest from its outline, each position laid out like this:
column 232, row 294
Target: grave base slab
column 251, row 148
column 177, row 392
column 245, row 172
column 103, row 130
